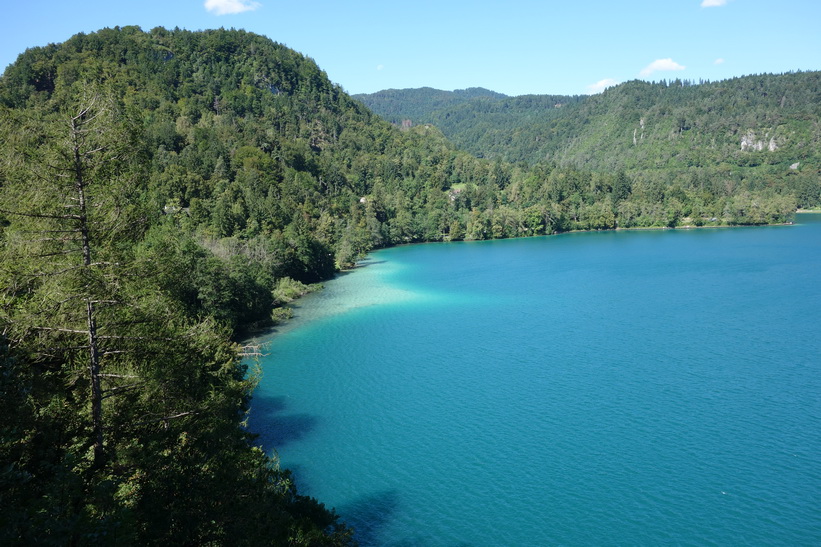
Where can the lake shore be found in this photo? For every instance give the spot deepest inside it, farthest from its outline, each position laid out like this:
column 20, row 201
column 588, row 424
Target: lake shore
column 285, row 322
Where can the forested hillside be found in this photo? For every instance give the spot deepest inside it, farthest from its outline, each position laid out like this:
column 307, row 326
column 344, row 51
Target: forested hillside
column 763, row 128
column 487, row 124
column 164, row 192
column 417, row 105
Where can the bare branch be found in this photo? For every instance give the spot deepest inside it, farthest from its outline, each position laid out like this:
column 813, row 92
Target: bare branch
column 61, row 239
column 74, row 231
column 106, row 393
column 45, row 255
column 56, row 253
column 167, row 418
column 73, row 331
column 57, row 272
column 250, row 351
column 65, row 349
column 92, row 152
column 36, row 215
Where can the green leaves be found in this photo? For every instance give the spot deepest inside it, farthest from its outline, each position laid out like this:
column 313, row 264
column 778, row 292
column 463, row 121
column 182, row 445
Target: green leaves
column 123, row 385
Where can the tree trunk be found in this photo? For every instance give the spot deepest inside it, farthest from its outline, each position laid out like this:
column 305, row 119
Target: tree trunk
column 91, row 322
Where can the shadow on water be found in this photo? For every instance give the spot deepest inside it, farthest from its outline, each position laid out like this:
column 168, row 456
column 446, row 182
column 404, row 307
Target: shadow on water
column 369, row 515
column 366, row 263
column 276, row 428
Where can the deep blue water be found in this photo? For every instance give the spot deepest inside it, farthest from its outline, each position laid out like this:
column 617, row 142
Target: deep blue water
column 611, row 388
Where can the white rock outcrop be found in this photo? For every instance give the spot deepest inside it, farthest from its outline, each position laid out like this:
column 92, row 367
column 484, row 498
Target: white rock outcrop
column 751, row 142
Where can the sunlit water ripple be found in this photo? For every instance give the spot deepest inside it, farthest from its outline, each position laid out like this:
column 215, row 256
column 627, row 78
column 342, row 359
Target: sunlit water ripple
column 614, row 388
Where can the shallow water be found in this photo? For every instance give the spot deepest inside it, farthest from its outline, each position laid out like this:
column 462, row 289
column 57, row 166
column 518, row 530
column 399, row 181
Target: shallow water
column 596, row 388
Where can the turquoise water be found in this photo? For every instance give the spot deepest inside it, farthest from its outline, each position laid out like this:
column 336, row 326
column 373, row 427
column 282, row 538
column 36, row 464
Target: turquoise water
column 612, row 388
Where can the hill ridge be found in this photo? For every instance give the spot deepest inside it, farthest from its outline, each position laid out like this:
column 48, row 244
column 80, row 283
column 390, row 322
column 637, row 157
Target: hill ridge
column 596, row 131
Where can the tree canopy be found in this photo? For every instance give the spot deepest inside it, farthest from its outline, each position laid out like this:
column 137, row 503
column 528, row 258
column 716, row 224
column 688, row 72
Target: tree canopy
column 760, row 130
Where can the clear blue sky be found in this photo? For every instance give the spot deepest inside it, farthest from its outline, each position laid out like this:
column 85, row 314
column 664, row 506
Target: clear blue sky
column 514, row 47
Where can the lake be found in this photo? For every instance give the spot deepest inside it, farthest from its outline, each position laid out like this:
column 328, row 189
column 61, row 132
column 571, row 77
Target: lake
column 609, row 388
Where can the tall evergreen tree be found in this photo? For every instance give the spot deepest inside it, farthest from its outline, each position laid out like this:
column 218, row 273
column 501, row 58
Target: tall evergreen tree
column 122, row 401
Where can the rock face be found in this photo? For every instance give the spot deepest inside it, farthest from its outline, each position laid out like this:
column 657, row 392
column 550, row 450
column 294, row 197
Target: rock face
column 751, row 142
column 772, row 147
column 635, row 132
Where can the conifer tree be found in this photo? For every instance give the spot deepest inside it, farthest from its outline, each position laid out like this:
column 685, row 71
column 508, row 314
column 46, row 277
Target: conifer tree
column 121, row 401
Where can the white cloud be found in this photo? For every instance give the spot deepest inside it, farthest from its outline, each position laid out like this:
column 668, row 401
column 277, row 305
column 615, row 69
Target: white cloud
column 227, row 7
column 712, row 3
column 601, row 85
column 718, row 61
column 661, row 64
column 380, row 67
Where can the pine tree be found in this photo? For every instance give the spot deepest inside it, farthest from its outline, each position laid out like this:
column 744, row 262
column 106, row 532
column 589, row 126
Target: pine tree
column 120, row 401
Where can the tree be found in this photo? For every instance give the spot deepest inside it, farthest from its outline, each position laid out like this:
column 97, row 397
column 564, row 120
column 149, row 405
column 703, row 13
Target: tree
column 121, row 400
column 65, row 219
column 622, row 187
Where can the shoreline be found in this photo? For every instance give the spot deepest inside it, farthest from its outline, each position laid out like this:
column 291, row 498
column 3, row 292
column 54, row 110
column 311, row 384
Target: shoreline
column 271, row 330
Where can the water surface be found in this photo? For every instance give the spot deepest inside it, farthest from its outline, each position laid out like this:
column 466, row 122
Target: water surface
column 612, row 388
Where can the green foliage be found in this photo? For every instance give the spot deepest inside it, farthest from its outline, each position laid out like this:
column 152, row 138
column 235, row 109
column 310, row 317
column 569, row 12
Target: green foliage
column 222, row 176
column 123, row 388
column 287, row 290
column 763, row 129
column 415, row 105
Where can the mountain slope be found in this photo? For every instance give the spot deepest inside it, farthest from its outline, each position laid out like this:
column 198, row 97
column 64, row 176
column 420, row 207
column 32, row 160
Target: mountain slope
column 764, row 120
column 397, row 105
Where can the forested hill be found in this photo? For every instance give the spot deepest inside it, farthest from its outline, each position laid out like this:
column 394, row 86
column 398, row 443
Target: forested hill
column 163, row 192
column 160, row 191
column 487, row 125
column 417, row 105
column 764, row 120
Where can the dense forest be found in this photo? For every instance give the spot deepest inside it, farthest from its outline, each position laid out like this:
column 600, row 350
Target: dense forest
column 425, row 104
column 764, row 130
column 163, row 193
